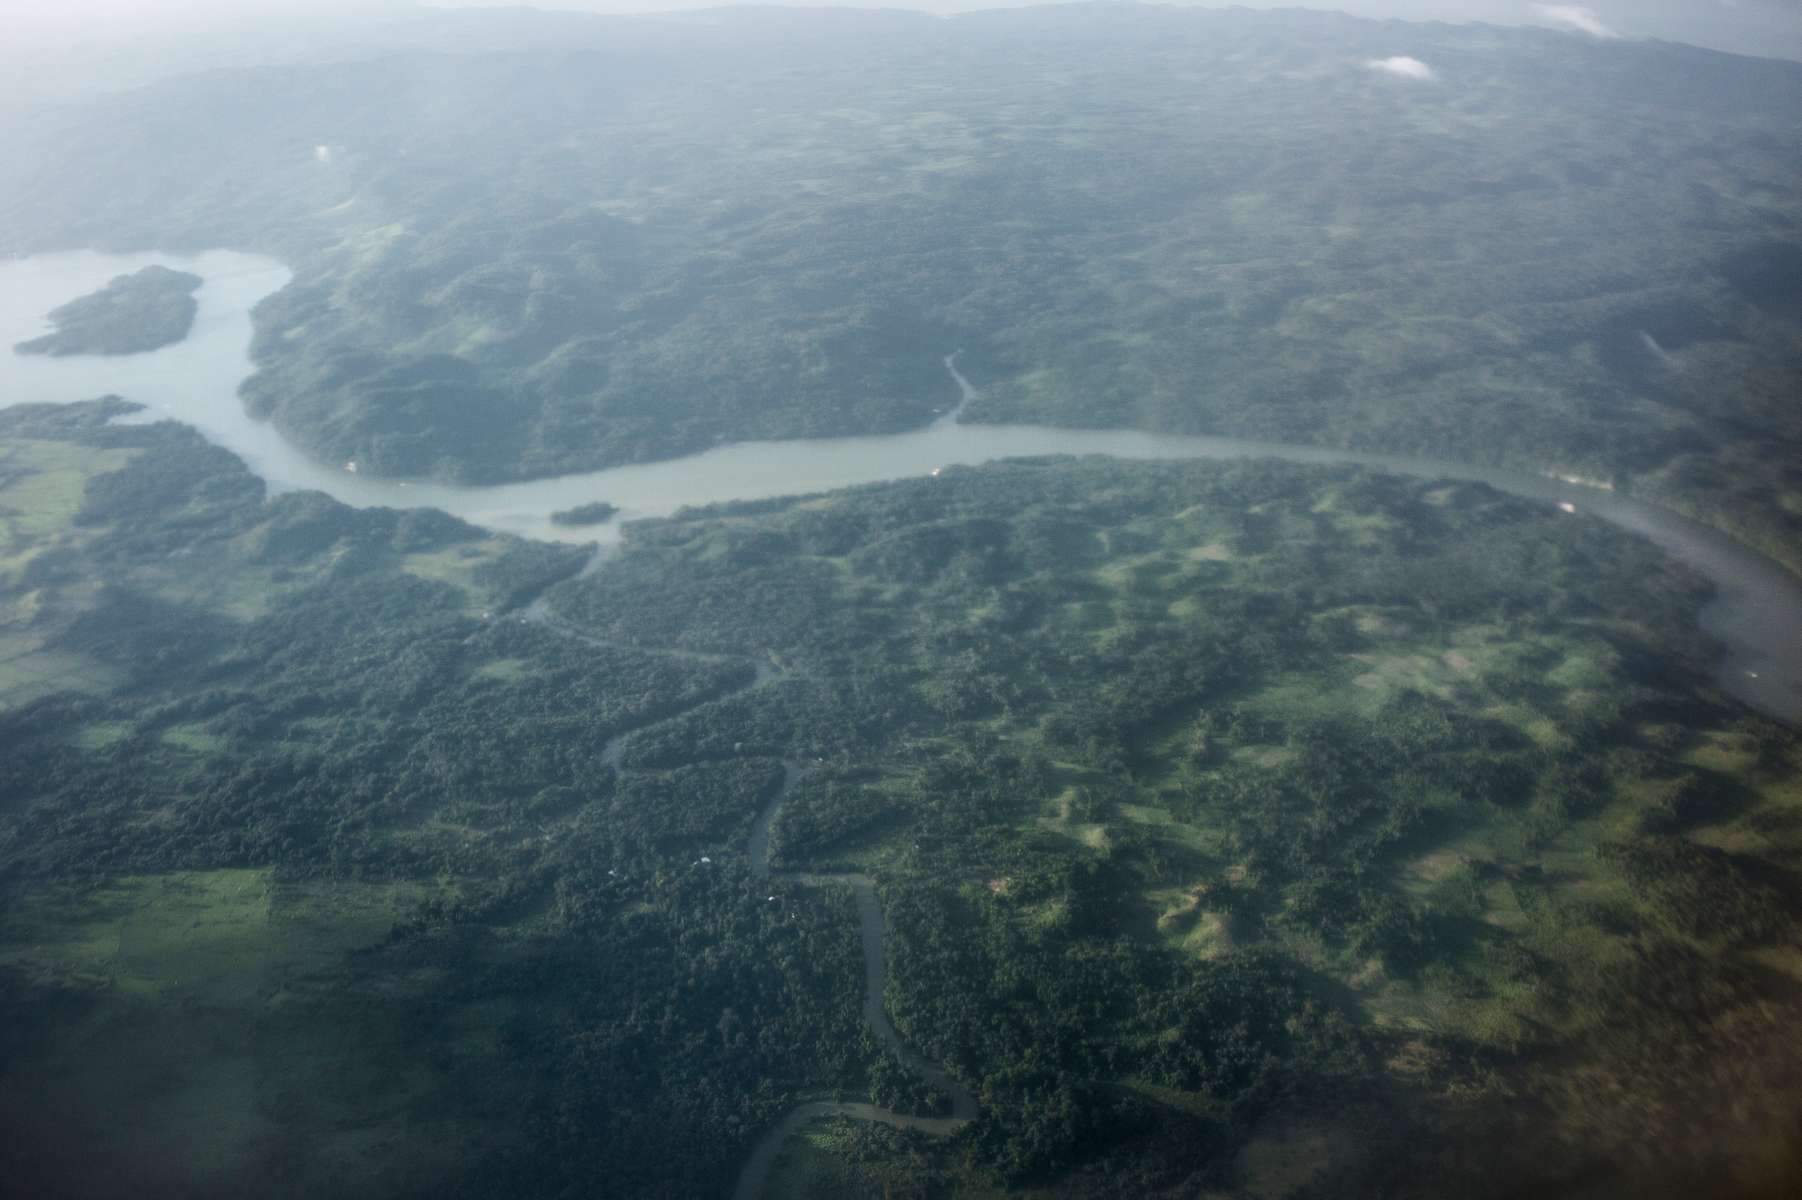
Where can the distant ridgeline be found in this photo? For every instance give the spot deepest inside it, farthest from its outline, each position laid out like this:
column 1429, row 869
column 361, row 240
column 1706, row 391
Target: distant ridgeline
column 146, row 310
column 1539, row 249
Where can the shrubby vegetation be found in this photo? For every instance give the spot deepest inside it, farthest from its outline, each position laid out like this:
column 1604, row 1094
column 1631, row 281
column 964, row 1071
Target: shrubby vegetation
column 596, row 513
column 146, row 310
column 1217, row 810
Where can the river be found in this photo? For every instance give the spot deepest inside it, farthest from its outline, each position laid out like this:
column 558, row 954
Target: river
column 872, row 939
column 1756, row 611
column 872, row 935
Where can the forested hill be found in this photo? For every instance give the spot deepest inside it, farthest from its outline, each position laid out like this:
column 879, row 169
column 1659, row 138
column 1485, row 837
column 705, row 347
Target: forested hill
column 146, row 310
column 518, row 254
column 1246, row 828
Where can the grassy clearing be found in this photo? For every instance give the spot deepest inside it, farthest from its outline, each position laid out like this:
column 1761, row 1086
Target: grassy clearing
column 27, row 673
column 835, row 1158
column 42, row 482
column 216, row 937
column 461, row 567
column 812, row 1164
column 194, row 739
column 205, row 1028
column 503, row 670
column 99, row 735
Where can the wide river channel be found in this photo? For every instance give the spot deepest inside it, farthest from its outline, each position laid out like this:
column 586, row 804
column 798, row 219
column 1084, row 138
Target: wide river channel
column 1756, row 612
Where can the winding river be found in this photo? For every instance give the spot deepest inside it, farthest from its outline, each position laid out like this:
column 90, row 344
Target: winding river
column 754, row 1176
column 872, row 936
column 1756, row 610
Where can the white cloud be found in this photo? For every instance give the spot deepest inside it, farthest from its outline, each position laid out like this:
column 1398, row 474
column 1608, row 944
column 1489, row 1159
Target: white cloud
column 1401, row 64
column 1572, row 16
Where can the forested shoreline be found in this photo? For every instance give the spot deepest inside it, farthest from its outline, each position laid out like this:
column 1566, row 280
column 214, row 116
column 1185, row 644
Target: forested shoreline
column 1559, row 255
column 151, row 308
column 1211, row 806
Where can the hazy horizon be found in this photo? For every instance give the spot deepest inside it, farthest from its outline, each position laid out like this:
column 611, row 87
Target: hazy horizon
column 941, row 601
column 1759, row 27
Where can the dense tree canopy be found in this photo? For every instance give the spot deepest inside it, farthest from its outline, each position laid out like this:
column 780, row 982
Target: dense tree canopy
column 1209, row 805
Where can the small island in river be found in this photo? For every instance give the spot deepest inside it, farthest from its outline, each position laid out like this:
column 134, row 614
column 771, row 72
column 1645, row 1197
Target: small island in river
column 598, row 513
column 143, row 311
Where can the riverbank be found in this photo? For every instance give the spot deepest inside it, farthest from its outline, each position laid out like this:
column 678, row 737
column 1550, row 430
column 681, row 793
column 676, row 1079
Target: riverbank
column 1140, row 752
column 1755, row 613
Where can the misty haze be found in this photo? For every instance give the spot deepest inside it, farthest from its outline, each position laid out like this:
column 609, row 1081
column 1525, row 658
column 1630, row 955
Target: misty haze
column 1089, row 601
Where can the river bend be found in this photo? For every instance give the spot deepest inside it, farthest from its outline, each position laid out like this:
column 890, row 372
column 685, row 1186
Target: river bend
column 872, row 935
column 1755, row 613
column 871, row 932
column 1756, row 610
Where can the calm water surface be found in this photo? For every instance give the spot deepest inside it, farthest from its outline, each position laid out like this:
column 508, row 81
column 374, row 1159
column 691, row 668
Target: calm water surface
column 1756, row 613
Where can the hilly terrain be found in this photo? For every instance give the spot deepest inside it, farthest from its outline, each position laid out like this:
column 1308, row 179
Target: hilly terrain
column 1230, row 828
column 1061, row 827
column 519, row 255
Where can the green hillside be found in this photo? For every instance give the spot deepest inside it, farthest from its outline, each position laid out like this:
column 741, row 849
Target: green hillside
column 1236, row 828
column 622, row 240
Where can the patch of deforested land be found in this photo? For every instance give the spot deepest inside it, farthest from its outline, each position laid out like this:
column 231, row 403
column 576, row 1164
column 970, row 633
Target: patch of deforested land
column 146, row 310
column 1248, row 826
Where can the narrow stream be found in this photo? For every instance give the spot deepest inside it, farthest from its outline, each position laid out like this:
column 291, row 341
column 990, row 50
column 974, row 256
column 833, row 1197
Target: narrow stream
column 872, row 935
column 871, row 931
column 762, row 672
